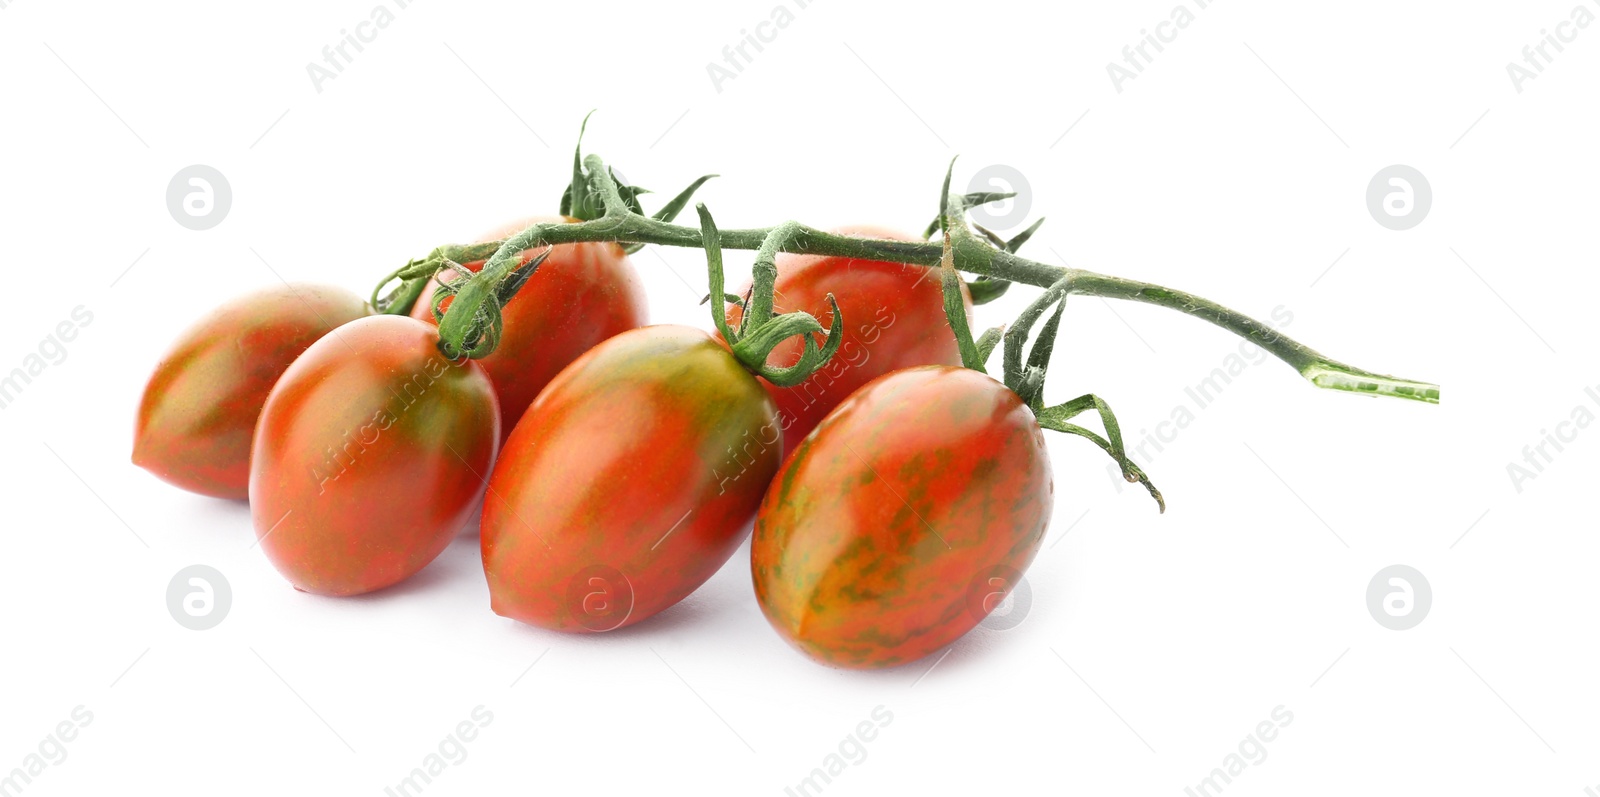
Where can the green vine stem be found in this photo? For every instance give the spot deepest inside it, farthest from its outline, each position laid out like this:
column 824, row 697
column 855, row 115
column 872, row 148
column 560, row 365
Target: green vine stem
column 976, row 256
column 415, row 275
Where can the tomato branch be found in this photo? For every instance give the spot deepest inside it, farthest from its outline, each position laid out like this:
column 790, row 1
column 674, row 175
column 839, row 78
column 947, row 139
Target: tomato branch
column 621, row 224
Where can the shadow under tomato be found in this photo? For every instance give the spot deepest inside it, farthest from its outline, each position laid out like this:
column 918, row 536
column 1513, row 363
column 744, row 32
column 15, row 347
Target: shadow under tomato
column 224, row 512
column 976, row 649
column 471, row 530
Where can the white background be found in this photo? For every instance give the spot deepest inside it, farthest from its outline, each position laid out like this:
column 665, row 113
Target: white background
column 1235, row 166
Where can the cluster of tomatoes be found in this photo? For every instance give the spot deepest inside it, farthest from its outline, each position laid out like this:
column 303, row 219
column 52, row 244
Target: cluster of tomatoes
column 618, row 464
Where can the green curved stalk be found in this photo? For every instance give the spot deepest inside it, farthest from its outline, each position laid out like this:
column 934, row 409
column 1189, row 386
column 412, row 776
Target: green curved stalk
column 1319, row 369
column 620, row 225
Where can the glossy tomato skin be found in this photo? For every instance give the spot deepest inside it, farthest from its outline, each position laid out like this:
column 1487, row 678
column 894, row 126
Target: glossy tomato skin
column 200, row 406
column 628, row 483
column 582, row 294
column 893, row 319
column 904, row 519
column 370, row 456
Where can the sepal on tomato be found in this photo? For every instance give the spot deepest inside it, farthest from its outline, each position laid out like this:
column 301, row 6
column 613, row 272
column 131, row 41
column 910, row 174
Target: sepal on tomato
column 587, row 198
column 759, row 330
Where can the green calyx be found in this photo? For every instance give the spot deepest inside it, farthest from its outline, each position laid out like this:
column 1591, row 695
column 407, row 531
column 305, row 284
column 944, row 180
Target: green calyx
column 760, row 331
column 585, row 200
column 473, row 324
column 1024, row 376
column 471, row 328
column 414, row 276
column 985, row 288
column 477, row 335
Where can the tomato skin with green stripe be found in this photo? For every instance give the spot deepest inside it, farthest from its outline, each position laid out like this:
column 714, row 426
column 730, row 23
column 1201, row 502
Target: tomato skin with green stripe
column 921, row 485
column 199, row 409
column 628, row 482
column 370, row 456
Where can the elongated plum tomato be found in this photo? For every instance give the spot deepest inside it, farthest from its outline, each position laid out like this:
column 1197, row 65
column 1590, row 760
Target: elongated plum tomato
column 628, row 482
column 582, row 294
column 370, row 455
column 200, row 406
column 894, row 318
column 904, row 519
